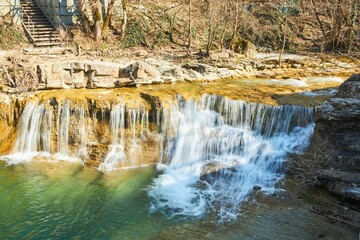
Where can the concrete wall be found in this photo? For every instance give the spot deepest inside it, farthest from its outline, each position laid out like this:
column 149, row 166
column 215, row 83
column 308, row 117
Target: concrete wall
column 65, row 9
column 12, row 6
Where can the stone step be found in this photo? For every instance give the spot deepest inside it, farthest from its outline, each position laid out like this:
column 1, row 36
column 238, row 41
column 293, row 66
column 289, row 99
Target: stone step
column 47, row 34
column 40, row 26
column 41, row 29
column 47, row 39
column 37, row 21
column 31, row 9
column 47, row 44
column 36, row 17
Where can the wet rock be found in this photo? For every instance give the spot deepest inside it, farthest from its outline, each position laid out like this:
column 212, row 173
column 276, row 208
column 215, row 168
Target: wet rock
column 192, row 75
column 96, row 153
column 257, row 188
column 343, row 183
column 338, row 124
column 77, row 66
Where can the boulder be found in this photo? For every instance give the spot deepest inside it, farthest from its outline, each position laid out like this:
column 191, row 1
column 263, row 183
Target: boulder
column 55, row 82
column 350, row 88
column 243, row 46
column 200, row 68
column 102, row 69
column 338, row 125
column 142, row 72
column 249, row 50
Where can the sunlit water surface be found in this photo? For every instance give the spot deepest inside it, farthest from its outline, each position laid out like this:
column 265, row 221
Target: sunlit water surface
column 42, row 200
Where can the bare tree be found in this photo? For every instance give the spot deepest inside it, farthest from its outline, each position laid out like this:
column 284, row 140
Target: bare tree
column 109, row 14
column 124, row 21
column 96, row 12
column 189, row 26
column 84, row 16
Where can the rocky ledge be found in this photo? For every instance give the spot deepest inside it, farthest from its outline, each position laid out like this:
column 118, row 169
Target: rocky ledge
column 338, row 126
column 67, row 72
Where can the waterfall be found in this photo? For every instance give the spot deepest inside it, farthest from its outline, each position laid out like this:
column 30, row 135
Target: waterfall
column 138, row 125
column 34, row 134
column 116, row 153
column 213, row 151
column 82, row 128
column 222, row 149
column 63, row 124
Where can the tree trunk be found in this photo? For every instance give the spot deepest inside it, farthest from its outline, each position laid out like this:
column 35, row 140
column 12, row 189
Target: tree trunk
column 354, row 15
column 189, row 27
column 337, row 23
column 235, row 25
column 84, row 17
column 95, row 8
column 109, row 14
column 210, row 30
column 124, row 22
column 284, row 43
column 321, row 26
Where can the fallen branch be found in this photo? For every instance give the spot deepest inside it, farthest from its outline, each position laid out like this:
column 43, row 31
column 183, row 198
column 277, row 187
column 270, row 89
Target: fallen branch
column 9, row 77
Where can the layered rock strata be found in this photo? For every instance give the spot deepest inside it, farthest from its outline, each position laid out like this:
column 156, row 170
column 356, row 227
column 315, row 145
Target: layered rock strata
column 338, row 126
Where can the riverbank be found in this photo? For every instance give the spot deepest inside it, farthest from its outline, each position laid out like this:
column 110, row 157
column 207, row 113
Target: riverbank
column 61, row 68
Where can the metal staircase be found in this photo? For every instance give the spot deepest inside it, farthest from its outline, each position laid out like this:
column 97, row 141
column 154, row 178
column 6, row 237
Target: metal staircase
column 40, row 30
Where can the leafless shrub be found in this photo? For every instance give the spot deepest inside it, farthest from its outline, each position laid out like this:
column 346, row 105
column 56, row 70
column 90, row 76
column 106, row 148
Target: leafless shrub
column 21, row 77
column 307, row 168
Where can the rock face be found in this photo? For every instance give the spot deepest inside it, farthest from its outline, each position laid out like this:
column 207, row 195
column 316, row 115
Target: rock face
column 83, row 125
column 87, row 74
column 338, row 124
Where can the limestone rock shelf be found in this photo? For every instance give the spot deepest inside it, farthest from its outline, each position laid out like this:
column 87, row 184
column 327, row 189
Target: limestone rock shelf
column 338, row 124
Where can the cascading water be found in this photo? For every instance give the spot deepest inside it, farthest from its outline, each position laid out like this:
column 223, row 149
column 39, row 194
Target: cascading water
column 117, row 148
column 63, row 124
column 34, row 137
column 221, row 150
column 213, row 151
column 138, row 124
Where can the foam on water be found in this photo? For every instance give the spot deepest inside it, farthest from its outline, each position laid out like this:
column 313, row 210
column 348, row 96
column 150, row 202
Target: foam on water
column 221, row 150
column 213, row 151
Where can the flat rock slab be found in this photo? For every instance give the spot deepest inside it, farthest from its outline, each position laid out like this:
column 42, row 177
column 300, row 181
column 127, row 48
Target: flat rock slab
column 344, row 183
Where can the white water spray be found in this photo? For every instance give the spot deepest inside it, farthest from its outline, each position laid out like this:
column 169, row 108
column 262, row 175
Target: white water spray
column 116, row 152
column 221, row 150
column 34, row 134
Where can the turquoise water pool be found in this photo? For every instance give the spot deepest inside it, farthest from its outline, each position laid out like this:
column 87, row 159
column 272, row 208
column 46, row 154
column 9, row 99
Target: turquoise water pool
column 44, row 200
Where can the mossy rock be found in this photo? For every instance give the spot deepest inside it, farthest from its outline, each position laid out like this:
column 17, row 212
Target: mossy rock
column 243, row 46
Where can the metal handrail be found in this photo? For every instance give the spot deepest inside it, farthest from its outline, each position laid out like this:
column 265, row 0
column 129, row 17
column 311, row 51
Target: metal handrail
column 32, row 30
column 61, row 23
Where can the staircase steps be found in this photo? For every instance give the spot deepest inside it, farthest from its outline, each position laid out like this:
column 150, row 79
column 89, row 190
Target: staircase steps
column 38, row 26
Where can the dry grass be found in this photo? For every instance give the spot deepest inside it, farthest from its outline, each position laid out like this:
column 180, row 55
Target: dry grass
column 307, row 168
column 11, row 36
